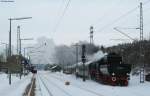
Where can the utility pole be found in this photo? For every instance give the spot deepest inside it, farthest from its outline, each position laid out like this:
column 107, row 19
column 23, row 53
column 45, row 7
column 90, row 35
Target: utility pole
column 9, row 51
column 91, row 35
column 10, row 21
column 18, row 39
column 19, row 49
column 77, row 46
column 142, row 77
column 20, row 53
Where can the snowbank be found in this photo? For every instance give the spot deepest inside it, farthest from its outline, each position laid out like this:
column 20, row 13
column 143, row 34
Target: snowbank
column 17, row 87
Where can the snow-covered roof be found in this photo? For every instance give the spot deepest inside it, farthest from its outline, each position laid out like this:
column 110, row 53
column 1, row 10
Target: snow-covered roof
column 54, row 67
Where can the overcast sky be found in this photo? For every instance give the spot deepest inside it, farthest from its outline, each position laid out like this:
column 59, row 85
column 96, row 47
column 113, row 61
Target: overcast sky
column 74, row 26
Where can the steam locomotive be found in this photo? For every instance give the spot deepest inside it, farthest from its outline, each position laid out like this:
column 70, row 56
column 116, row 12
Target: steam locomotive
column 108, row 69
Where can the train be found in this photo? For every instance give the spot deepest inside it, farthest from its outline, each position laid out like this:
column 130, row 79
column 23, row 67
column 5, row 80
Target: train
column 108, row 69
column 32, row 69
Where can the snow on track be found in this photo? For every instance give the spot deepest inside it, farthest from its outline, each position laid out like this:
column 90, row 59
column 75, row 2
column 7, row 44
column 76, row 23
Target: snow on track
column 91, row 88
column 40, row 79
column 49, row 88
column 58, row 87
column 134, row 89
column 77, row 86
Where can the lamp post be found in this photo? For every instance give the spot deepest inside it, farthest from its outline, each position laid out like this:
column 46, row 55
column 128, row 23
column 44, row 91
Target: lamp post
column 9, row 52
column 10, row 21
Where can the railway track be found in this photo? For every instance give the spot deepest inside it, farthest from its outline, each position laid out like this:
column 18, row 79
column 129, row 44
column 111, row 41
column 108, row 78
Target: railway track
column 39, row 85
column 49, row 92
column 77, row 86
column 50, row 81
column 44, row 79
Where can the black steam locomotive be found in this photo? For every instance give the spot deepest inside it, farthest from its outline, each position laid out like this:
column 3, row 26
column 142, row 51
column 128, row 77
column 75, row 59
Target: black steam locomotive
column 108, row 70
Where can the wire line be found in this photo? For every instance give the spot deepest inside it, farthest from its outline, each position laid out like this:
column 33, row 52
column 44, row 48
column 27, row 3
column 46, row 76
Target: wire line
column 124, row 15
column 61, row 17
column 104, row 15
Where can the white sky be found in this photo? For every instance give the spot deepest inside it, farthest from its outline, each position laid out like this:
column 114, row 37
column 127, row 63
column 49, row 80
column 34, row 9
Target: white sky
column 81, row 14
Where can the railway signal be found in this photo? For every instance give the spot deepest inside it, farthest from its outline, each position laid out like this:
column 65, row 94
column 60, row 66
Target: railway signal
column 83, row 60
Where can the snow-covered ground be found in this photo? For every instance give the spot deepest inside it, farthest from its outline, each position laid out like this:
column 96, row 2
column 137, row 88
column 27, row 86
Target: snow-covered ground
column 53, row 84
column 17, row 88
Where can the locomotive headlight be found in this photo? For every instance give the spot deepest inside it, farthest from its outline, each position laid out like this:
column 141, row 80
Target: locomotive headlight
column 113, row 74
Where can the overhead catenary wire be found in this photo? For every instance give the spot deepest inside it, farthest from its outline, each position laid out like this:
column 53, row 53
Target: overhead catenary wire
column 107, row 11
column 61, row 7
column 120, row 17
column 61, row 17
column 120, row 39
column 124, row 34
column 126, row 28
column 116, row 28
column 116, row 20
